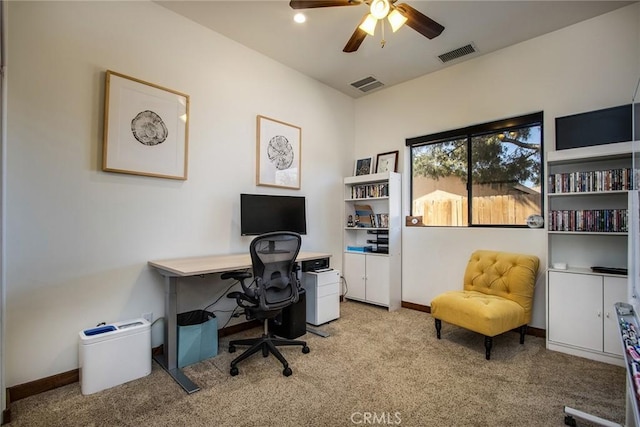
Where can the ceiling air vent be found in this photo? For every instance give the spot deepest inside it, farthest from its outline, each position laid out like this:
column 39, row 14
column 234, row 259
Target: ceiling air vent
column 367, row 84
column 457, row 53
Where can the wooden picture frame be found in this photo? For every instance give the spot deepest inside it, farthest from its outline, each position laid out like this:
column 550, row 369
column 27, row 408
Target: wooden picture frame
column 278, row 159
column 363, row 166
column 145, row 128
column 387, row 162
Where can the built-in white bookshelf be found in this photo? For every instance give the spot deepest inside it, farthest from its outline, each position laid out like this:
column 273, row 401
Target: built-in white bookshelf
column 588, row 192
column 372, row 239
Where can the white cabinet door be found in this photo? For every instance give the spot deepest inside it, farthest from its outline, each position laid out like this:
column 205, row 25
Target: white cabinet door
column 575, row 309
column 615, row 290
column 354, row 275
column 378, row 279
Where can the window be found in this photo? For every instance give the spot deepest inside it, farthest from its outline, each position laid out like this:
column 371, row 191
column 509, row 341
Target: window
column 482, row 175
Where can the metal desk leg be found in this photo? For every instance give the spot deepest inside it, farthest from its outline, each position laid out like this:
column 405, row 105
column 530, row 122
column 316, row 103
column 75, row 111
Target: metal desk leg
column 169, row 360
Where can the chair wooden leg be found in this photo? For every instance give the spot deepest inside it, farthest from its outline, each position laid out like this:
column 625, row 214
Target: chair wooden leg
column 438, row 327
column 488, row 342
column 523, row 331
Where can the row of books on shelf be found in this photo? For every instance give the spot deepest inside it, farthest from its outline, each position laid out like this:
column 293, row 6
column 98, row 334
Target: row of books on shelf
column 596, row 220
column 380, row 220
column 600, row 180
column 369, row 191
column 366, row 218
column 371, row 221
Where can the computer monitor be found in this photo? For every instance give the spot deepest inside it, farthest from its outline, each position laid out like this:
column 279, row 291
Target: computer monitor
column 263, row 213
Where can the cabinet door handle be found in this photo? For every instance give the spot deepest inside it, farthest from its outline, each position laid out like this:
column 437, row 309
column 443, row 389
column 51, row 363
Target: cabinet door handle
column 607, row 315
column 599, row 313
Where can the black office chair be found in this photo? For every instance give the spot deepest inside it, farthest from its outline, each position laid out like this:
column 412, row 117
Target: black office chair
column 275, row 286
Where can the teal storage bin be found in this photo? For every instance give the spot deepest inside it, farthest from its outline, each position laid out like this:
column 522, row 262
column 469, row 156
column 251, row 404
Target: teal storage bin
column 197, row 337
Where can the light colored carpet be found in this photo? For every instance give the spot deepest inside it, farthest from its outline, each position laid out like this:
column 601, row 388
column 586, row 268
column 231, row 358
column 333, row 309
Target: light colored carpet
column 386, row 366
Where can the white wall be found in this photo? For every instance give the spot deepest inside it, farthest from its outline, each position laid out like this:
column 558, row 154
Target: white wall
column 78, row 239
column 584, row 67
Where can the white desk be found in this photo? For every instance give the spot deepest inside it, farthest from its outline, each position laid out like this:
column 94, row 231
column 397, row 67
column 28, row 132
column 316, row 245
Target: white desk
column 172, row 270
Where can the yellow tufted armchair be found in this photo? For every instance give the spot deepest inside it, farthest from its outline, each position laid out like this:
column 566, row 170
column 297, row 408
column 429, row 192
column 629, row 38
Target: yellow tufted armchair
column 497, row 296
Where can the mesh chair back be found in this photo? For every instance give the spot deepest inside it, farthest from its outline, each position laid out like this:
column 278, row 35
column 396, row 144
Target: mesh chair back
column 273, row 256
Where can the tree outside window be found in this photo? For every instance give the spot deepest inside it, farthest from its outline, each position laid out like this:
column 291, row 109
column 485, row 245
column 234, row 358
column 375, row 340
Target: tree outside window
column 476, row 177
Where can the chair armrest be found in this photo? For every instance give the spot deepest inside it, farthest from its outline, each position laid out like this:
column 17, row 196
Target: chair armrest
column 240, row 297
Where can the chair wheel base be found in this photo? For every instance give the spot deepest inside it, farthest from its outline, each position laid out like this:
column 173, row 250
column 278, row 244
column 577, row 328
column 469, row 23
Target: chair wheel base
column 267, row 344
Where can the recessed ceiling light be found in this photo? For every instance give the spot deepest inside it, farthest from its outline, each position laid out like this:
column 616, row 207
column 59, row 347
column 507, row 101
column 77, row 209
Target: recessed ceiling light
column 299, row 18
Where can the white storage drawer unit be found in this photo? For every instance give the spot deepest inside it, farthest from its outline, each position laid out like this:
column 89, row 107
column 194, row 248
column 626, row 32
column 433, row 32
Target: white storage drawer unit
column 323, row 296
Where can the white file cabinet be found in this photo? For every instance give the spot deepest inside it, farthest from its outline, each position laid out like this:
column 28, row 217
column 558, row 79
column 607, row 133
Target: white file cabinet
column 323, row 296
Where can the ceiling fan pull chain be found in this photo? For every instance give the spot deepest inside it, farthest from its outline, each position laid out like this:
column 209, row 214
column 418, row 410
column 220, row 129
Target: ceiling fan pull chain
column 382, row 41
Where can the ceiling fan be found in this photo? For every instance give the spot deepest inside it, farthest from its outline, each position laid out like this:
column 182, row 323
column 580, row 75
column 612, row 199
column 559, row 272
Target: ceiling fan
column 397, row 15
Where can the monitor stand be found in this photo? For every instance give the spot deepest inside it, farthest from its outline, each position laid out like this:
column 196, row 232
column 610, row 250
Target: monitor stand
column 272, row 249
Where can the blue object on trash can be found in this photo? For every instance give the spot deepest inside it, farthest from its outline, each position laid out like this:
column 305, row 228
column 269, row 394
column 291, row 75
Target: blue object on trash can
column 99, row 330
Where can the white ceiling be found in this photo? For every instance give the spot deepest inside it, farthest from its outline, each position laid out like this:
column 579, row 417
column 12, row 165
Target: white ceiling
column 315, row 47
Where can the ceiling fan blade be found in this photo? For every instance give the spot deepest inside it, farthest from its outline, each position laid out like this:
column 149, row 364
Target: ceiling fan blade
column 356, row 39
column 419, row 22
column 309, row 4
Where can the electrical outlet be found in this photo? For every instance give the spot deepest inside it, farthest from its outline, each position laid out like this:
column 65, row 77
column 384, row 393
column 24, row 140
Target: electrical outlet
column 148, row 317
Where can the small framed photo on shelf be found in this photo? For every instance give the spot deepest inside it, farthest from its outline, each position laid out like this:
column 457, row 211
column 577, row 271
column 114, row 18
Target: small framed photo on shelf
column 363, row 166
column 387, row 162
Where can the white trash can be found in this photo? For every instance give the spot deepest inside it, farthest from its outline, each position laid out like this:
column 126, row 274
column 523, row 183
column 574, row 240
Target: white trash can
column 114, row 354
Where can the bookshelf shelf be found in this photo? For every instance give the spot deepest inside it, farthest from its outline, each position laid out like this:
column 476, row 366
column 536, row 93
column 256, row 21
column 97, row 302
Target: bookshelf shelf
column 364, row 228
column 360, row 199
column 592, row 233
column 589, row 193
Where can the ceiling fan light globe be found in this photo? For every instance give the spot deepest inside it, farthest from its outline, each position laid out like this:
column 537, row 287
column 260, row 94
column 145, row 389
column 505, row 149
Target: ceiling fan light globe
column 380, row 8
column 369, row 25
column 396, row 20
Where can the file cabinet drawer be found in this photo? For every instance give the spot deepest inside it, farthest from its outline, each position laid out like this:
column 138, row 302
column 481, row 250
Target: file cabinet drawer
column 326, row 277
column 328, row 289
